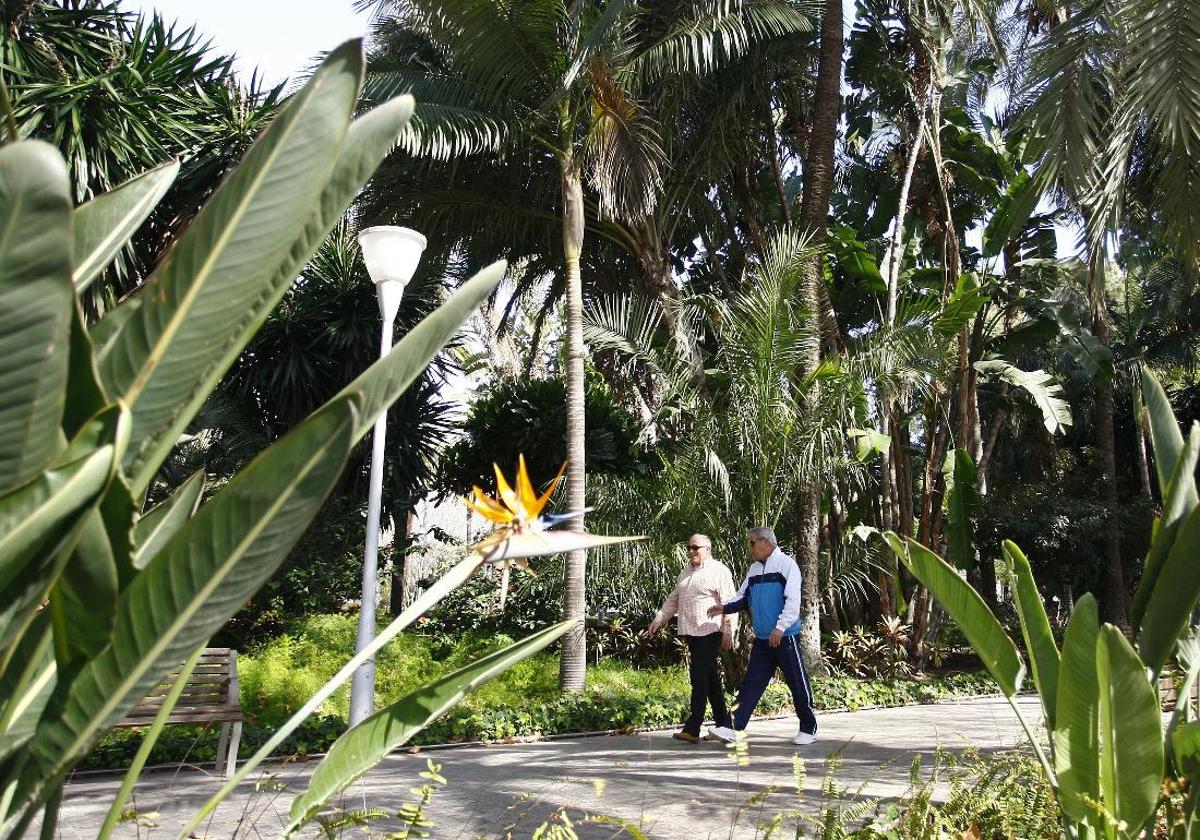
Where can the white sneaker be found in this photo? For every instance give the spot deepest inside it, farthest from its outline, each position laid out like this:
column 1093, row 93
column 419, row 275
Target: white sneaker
column 803, row 738
column 725, row 734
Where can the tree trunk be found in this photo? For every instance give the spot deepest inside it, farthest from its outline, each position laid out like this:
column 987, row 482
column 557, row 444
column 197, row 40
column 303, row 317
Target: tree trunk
column 814, row 213
column 1139, row 431
column 574, row 648
column 741, row 189
column 896, row 248
column 777, row 163
column 1113, row 605
column 400, row 546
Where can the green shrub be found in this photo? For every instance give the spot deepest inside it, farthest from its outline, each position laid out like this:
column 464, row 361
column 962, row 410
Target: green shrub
column 524, row 702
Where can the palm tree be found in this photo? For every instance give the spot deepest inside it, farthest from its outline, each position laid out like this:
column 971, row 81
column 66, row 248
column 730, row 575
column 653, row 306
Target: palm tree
column 1112, row 99
column 814, row 212
column 120, row 93
column 559, row 83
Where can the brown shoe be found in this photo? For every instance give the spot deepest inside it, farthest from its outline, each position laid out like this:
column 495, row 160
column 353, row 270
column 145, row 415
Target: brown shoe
column 686, row 736
column 710, row 737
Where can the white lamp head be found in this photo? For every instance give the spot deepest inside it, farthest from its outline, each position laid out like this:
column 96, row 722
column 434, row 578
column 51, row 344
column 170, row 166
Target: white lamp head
column 391, row 254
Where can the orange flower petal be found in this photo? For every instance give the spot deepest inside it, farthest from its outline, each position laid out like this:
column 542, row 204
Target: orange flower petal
column 525, row 492
column 488, row 507
column 545, row 497
column 506, row 493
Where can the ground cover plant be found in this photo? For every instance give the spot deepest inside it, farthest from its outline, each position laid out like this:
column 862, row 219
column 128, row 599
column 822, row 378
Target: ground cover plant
column 278, row 677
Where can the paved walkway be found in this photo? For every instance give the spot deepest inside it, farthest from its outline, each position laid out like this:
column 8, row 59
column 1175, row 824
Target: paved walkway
column 667, row 788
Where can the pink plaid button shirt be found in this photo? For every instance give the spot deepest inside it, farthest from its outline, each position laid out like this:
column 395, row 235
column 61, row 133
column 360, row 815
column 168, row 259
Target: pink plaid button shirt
column 697, row 589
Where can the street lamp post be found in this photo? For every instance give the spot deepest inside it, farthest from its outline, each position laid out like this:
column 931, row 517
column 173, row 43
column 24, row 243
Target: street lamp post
column 391, row 255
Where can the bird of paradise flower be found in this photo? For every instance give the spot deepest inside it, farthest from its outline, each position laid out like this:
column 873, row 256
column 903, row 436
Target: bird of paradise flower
column 521, row 530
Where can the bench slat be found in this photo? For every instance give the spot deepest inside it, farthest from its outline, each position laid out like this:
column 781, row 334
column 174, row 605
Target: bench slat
column 225, row 716
column 192, row 703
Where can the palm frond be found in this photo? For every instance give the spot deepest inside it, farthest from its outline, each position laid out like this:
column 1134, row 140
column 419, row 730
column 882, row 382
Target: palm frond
column 450, row 119
column 715, row 31
column 509, row 50
column 624, row 150
column 1070, row 99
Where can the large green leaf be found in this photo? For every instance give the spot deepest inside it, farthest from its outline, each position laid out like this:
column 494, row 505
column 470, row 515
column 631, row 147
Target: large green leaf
column 25, row 688
column 381, row 384
column 84, row 599
column 1041, row 387
column 968, row 610
column 962, row 508
column 447, row 583
column 85, row 396
column 1165, row 435
column 367, row 744
column 104, row 224
column 368, row 141
column 870, row 443
column 1179, row 502
column 856, row 261
column 35, row 306
column 200, row 579
column 1077, row 714
column 161, row 522
column 1185, row 741
column 1131, row 742
column 1174, row 597
column 39, row 523
column 1044, row 658
column 1013, row 211
column 214, row 287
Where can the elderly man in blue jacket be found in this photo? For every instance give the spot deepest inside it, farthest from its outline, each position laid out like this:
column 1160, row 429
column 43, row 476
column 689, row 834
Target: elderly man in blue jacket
column 771, row 591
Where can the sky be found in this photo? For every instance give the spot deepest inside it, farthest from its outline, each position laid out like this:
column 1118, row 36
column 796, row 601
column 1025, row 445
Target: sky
column 279, row 37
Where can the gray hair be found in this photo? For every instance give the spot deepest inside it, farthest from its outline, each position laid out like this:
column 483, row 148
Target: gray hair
column 762, row 532
column 707, row 539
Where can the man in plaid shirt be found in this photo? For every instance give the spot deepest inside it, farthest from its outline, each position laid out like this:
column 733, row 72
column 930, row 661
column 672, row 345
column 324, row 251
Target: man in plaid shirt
column 703, row 583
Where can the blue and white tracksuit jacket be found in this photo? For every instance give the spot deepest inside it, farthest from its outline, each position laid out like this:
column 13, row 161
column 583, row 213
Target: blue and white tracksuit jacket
column 771, row 591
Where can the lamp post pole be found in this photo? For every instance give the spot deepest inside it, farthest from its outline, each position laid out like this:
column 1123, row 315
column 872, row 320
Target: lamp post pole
column 391, row 255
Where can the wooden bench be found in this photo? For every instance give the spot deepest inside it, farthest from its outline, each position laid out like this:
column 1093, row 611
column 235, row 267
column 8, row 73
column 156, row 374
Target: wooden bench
column 210, row 696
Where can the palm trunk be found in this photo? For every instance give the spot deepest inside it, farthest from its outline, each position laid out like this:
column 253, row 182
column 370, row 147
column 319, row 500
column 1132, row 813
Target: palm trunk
column 741, row 189
column 895, row 249
column 814, row 213
column 574, row 649
column 1139, row 431
column 400, row 546
column 1115, row 608
column 777, row 164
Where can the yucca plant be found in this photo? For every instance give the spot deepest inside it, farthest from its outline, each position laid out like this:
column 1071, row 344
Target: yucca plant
column 1106, row 752
column 100, row 600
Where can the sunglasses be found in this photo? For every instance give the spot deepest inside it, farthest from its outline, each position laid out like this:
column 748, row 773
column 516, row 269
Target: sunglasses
column 696, row 547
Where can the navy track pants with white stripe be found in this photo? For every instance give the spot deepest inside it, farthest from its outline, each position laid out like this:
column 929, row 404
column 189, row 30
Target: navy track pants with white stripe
column 764, row 659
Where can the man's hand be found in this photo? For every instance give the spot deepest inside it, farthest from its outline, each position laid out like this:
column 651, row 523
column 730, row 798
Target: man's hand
column 715, row 611
column 775, row 637
column 727, row 642
column 653, row 628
